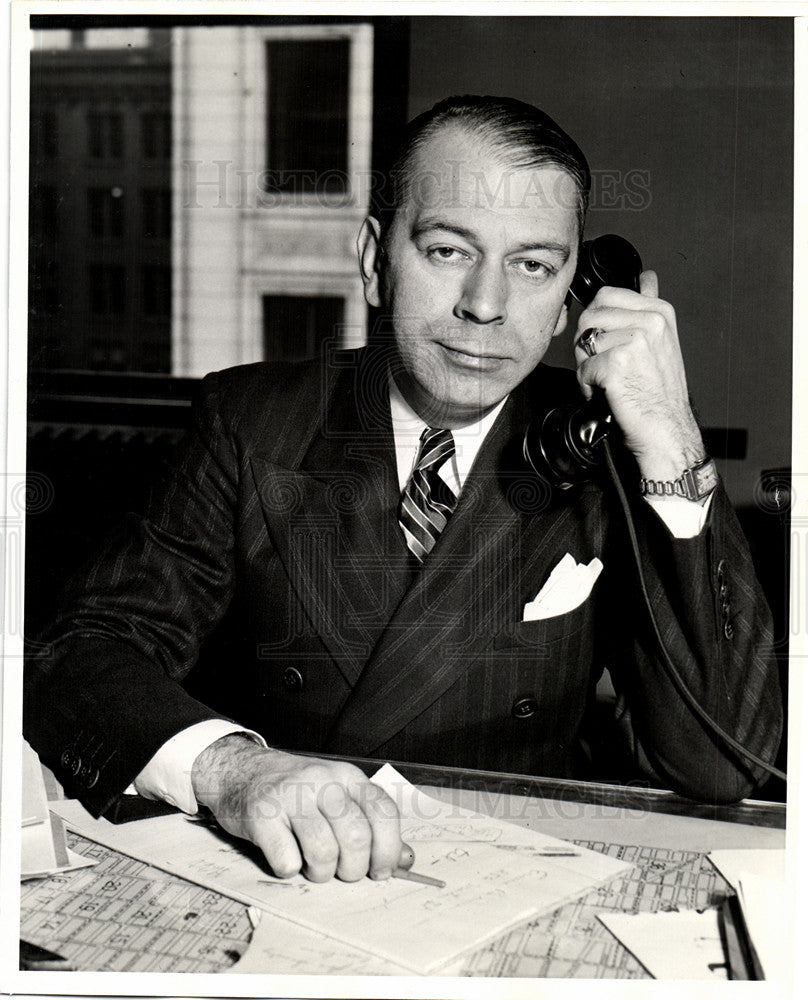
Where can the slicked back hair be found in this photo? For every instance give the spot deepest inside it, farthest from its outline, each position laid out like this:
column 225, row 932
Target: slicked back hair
column 521, row 134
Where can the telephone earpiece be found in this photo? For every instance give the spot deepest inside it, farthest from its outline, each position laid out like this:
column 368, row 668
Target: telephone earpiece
column 563, row 448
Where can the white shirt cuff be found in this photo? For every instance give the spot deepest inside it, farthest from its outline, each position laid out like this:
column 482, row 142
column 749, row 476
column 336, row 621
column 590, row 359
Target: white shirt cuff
column 167, row 776
column 683, row 518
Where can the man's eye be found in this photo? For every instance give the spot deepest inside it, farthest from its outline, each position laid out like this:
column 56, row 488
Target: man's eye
column 534, row 268
column 446, row 253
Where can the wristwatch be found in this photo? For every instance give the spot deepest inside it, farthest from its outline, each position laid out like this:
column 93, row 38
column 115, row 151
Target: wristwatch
column 695, row 483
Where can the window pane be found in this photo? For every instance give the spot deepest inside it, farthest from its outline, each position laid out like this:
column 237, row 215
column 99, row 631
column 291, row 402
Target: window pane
column 105, row 135
column 307, row 115
column 156, row 213
column 155, row 135
column 295, row 326
column 156, row 290
column 105, row 209
column 107, row 289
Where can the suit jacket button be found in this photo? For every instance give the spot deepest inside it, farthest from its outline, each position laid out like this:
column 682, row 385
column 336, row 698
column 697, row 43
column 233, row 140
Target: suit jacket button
column 71, row 762
column 292, row 679
column 85, row 775
column 524, row 708
column 729, row 630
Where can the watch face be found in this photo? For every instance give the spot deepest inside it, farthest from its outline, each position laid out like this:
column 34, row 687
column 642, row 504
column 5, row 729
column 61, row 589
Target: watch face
column 705, row 478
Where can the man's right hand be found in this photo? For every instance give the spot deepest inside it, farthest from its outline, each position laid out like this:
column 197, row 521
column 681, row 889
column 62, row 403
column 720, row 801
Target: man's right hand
column 318, row 817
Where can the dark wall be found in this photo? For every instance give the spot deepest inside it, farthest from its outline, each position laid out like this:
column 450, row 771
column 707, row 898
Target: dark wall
column 687, row 124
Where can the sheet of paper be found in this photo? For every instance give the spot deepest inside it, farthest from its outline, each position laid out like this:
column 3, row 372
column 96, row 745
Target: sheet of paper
column 735, row 863
column 758, row 876
column 762, row 902
column 672, row 945
column 273, row 949
column 495, row 878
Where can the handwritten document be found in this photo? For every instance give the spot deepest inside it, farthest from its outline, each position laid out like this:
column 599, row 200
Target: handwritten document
column 419, row 928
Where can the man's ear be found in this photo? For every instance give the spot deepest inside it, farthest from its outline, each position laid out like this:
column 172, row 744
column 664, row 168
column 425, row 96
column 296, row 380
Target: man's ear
column 561, row 322
column 368, row 247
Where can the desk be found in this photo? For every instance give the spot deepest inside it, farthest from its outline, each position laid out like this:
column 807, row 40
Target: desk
column 124, row 916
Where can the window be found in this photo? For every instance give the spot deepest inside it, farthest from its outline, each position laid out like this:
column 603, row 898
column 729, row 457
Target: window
column 155, row 135
column 105, row 209
column 105, row 135
column 156, row 213
column 295, row 326
column 307, row 115
column 107, row 289
column 156, row 280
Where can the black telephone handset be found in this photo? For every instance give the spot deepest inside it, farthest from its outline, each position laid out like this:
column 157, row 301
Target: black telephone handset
column 562, row 448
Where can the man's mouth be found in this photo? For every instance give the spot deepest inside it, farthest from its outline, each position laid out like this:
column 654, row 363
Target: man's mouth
column 472, row 360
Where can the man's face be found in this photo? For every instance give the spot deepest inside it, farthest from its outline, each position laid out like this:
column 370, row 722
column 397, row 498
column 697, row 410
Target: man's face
column 476, row 266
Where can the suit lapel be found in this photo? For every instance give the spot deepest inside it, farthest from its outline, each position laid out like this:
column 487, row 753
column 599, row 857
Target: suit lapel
column 467, row 591
column 333, row 519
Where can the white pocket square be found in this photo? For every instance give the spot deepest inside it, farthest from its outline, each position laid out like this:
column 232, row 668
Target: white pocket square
column 569, row 585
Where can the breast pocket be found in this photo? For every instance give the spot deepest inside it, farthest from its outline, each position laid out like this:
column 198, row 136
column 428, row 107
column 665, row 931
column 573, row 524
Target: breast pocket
column 548, row 636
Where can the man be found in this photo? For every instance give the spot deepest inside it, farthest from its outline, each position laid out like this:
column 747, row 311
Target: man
column 371, row 524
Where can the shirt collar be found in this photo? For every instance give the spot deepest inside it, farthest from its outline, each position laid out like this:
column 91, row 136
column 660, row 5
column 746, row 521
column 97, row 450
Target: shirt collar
column 408, row 427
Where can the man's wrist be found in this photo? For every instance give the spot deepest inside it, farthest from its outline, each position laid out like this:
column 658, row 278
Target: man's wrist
column 695, row 483
column 218, row 764
column 167, row 776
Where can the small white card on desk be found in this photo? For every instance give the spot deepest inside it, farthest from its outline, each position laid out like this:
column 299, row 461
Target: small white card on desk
column 567, row 588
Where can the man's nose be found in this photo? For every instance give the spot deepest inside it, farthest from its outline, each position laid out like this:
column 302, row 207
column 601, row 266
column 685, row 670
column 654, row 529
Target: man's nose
column 484, row 295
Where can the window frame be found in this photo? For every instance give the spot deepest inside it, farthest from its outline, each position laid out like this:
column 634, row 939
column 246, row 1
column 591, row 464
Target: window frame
column 360, row 112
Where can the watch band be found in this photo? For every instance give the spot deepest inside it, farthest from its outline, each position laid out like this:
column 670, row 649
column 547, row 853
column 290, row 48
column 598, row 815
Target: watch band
column 695, row 483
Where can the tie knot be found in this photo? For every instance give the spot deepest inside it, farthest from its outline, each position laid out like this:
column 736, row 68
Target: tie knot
column 436, row 446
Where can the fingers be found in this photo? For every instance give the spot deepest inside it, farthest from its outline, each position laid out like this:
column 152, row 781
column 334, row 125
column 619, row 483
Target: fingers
column 350, row 831
column 646, row 299
column 321, row 818
column 383, row 819
column 649, row 284
column 279, row 846
column 606, row 340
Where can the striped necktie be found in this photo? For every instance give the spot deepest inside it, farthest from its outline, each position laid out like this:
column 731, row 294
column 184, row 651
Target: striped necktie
column 427, row 502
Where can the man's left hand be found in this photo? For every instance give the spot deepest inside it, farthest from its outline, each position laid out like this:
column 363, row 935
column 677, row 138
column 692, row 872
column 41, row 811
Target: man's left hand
column 639, row 366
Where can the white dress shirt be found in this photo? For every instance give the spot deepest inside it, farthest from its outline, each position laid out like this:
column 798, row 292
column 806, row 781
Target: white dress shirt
column 167, row 775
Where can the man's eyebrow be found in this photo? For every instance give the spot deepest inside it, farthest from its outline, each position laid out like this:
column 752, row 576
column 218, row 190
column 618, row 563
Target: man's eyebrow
column 562, row 249
column 428, row 225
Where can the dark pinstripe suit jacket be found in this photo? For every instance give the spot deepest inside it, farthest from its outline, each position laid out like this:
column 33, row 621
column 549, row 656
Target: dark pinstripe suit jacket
column 283, row 509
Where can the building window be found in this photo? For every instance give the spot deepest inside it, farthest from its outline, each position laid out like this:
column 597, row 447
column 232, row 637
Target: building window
column 156, row 280
column 107, row 289
column 105, row 209
column 155, row 135
column 156, row 213
column 307, row 115
column 105, row 135
column 295, row 326
column 44, row 136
